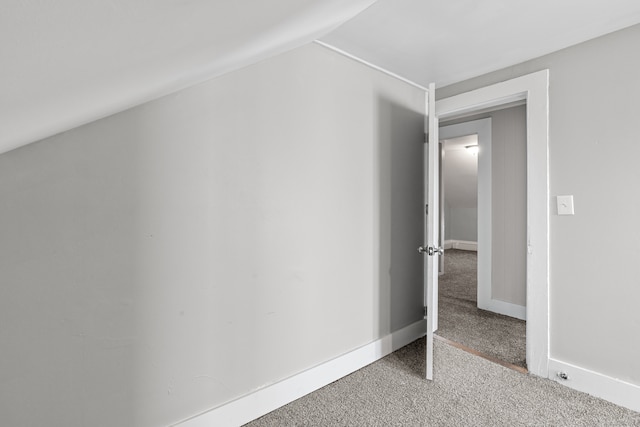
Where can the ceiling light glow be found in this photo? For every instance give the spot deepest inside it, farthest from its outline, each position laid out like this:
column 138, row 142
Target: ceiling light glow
column 473, row 149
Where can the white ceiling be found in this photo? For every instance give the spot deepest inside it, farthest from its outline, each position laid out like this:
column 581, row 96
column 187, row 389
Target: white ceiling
column 449, row 41
column 67, row 62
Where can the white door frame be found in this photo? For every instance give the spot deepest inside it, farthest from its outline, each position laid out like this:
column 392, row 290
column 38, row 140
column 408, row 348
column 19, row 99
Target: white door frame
column 534, row 88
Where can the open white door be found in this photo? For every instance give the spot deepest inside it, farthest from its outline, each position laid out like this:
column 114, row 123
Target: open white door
column 431, row 250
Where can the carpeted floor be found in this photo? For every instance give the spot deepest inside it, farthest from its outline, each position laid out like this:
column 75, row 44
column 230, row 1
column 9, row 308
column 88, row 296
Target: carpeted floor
column 460, row 320
column 467, row 391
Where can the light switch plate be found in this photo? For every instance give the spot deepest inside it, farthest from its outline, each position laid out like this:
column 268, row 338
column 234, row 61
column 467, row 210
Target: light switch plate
column 565, row 205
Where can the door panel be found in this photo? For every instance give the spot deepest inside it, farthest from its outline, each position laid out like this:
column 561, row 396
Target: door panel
column 432, row 228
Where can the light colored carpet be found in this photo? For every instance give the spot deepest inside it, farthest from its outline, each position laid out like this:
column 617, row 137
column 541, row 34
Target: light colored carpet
column 460, row 278
column 460, row 320
column 467, row 391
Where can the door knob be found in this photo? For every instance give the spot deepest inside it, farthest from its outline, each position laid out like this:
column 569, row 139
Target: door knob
column 430, row 250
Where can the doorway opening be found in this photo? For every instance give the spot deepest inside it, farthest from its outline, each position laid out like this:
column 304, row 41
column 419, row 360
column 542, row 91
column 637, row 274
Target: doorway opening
column 482, row 292
column 534, row 90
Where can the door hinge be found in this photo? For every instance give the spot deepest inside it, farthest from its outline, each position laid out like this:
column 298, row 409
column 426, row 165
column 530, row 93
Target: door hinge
column 425, row 312
column 426, row 209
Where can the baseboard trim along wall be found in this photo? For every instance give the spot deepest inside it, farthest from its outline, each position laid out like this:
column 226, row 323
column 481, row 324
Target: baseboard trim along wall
column 463, row 245
column 612, row 389
column 502, row 307
column 271, row 397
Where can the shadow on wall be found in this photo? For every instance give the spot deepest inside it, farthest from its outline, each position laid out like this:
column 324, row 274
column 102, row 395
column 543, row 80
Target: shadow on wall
column 158, row 262
column 399, row 176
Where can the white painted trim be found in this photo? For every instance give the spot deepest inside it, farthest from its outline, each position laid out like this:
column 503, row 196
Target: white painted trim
column 271, row 397
column 503, row 307
column 463, row 245
column 432, row 224
column 370, row 65
column 612, row 389
column 534, row 88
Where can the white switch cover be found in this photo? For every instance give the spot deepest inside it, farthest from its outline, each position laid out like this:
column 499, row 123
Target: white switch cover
column 565, row 205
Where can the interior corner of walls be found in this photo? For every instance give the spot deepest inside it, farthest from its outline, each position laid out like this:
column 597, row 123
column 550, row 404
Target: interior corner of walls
column 371, row 65
column 596, row 384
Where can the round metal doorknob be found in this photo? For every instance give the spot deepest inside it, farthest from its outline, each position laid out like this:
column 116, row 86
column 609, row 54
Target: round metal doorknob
column 430, row 250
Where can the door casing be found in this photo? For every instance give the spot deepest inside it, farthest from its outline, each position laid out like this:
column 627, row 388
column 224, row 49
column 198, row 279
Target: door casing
column 534, row 89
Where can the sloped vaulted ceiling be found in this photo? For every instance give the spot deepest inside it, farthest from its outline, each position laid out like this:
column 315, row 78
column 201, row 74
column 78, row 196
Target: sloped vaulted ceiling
column 67, row 62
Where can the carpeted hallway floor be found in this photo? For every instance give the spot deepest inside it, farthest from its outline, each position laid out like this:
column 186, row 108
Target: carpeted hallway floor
column 467, row 391
column 461, row 321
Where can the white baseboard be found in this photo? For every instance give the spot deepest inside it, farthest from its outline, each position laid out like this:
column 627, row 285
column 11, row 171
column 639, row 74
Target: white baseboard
column 502, row 307
column 271, row 397
column 463, row 245
column 612, row 389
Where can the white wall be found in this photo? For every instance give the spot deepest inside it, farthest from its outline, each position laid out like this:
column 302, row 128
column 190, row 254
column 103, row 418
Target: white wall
column 175, row 256
column 461, row 224
column 593, row 152
column 509, row 205
column 460, row 187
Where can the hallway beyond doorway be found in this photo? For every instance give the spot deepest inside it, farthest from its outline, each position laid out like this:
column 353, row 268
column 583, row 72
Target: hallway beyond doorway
column 461, row 321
